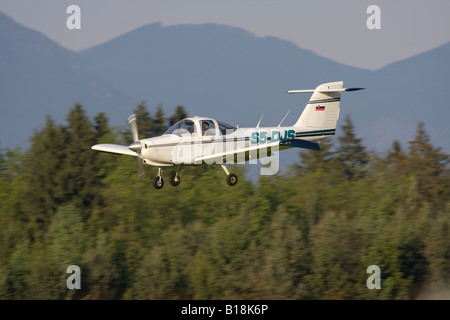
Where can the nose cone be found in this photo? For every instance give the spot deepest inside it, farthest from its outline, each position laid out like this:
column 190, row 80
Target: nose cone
column 136, row 146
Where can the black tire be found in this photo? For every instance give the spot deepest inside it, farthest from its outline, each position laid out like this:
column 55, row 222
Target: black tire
column 158, row 182
column 232, row 179
column 174, row 179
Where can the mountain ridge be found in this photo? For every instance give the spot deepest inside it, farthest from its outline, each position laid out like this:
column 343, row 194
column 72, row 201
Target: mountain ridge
column 213, row 70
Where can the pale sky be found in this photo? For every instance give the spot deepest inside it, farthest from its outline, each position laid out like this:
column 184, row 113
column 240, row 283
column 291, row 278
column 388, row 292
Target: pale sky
column 335, row 29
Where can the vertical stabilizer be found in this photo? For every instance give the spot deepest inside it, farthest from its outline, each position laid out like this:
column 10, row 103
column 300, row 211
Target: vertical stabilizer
column 322, row 110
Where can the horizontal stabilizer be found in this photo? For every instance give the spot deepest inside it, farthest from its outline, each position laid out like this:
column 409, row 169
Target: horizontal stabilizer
column 114, row 148
column 300, row 143
column 324, row 90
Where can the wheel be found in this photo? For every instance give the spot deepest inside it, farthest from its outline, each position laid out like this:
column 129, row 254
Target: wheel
column 174, row 179
column 158, row 182
column 232, row 179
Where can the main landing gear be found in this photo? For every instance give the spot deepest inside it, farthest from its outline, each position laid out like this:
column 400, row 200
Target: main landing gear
column 231, row 177
column 174, row 178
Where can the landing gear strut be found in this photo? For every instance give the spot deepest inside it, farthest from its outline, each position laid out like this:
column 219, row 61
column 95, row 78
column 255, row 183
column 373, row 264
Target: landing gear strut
column 174, row 178
column 231, row 177
column 158, row 181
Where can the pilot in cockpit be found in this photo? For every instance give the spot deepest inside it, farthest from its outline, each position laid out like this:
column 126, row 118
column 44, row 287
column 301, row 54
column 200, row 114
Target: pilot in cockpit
column 205, row 129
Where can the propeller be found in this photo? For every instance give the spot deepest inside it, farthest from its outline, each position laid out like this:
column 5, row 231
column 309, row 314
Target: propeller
column 136, row 146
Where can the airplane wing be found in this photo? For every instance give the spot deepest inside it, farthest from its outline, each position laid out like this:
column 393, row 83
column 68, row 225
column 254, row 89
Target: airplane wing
column 239, row 153
column 114, row 148
column 243, row 153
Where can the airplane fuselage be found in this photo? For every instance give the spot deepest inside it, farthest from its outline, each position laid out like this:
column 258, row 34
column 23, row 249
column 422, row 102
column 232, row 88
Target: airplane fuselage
column 171, row 149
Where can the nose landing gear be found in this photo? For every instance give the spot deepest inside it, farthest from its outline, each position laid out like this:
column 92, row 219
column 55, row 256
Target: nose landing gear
column 158, row 181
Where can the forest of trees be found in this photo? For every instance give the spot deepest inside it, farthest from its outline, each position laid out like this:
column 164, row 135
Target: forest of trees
column 308, row 233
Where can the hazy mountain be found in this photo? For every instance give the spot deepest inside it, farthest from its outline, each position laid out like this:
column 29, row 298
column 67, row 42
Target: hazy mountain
column 39, row 77
column 400, row 95
column 213, row 70
column 217, row 71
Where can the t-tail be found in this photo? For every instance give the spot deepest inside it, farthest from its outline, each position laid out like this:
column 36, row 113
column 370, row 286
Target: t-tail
column 319, row 118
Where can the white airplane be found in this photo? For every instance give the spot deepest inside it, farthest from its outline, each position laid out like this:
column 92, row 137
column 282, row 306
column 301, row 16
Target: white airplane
column 197, row 140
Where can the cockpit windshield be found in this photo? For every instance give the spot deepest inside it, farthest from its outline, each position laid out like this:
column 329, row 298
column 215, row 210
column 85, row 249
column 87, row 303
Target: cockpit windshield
column 181, row 128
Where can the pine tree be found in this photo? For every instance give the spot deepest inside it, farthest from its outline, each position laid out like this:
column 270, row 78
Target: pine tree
column 42, row 177
column 351, row 153
column 312, row 160
column 101, row 126
column 396, row 157
column 429, row 164
column 145, row 122
column 81, row 168
column 13, row 222
column 438, row 255
column 160, row 122
column 336, row 250
column 179, row 114
column 394, row 164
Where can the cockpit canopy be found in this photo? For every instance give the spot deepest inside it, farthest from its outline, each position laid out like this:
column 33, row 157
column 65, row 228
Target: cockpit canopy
column 200, row 127
column 182, row 127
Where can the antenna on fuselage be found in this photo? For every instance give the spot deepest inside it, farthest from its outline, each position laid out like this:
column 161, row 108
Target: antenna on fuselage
column 260, row 120
column 284, row 118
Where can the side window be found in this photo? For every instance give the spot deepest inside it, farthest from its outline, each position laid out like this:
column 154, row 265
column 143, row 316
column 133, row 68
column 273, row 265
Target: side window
column 208, row 128
column 226, row 128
